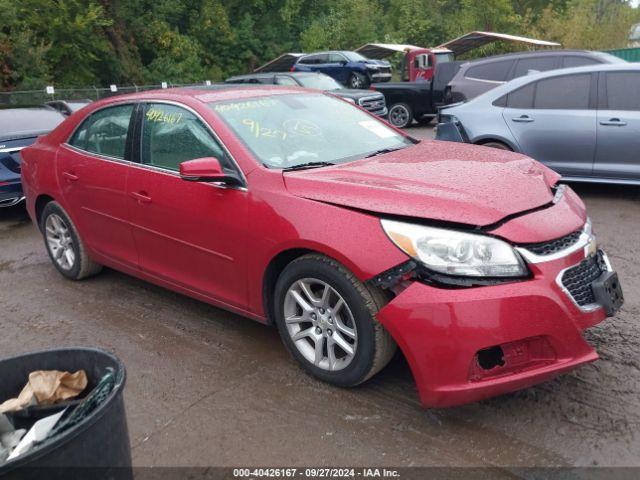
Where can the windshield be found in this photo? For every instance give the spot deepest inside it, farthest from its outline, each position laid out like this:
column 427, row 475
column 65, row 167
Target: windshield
column 354, row 57
column 285, row 131
column 444, row 57
column 320, row 82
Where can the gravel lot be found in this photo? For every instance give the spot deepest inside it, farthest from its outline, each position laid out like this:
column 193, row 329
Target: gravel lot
column 206, row 387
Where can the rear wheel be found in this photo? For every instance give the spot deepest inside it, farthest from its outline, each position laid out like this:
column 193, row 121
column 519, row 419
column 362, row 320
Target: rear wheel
column 326, row 318
column 65, row 248
column 498, row 145
column 400, row 115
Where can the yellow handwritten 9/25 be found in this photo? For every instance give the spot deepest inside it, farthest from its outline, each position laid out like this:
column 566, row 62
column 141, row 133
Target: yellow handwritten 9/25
column 259, row 131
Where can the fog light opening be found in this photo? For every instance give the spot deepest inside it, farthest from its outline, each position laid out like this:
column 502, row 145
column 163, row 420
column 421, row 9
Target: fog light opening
column 489, row 358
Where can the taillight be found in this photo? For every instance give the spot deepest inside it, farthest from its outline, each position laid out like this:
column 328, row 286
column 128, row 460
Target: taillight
column 293, row 68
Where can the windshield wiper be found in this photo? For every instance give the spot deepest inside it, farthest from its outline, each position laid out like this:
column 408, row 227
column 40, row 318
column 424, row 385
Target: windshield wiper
column 302, row 166
column 382, row 151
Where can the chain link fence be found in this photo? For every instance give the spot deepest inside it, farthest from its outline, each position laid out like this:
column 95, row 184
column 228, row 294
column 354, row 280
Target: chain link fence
column 38, row 97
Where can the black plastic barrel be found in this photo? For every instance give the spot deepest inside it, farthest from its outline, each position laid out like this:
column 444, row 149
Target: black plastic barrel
column 98, row 446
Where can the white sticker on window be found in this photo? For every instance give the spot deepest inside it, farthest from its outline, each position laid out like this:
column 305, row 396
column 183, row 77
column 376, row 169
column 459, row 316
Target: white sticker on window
column 377, row 129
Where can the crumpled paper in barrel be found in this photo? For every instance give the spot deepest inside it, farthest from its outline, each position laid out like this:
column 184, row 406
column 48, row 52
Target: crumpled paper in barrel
column 46, row 387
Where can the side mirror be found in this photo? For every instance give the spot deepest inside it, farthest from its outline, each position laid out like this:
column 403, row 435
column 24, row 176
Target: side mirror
column 207, row 169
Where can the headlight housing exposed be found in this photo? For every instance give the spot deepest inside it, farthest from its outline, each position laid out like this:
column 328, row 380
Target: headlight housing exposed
column 456, row 253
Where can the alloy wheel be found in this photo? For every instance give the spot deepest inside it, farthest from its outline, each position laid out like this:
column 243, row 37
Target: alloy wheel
column 321, row 324
column 60, row 241
column 399, row 116
column 356, row 82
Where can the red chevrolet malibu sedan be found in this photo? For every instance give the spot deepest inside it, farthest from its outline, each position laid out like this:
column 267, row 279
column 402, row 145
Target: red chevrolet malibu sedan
column 296, row 208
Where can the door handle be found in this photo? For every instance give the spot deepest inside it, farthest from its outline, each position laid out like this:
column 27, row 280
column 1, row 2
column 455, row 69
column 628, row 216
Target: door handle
column 614, row 122
column 522, row 119
column 141, row 197
column 70, row 176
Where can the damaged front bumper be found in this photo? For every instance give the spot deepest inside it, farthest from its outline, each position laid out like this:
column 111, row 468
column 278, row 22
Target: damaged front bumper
column 467, row 344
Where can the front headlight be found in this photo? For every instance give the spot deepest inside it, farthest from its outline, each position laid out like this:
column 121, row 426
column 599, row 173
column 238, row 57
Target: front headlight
column 456, row 253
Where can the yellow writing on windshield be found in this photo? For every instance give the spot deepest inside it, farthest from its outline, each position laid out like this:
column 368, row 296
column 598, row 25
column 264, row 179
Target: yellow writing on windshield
column 246, row 105
column 259, row 131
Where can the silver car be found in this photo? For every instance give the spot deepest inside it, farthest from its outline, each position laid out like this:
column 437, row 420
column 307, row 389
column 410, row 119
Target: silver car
column 582, row 122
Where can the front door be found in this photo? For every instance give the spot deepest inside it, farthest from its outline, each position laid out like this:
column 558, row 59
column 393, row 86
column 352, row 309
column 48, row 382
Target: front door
column 191, row 234
column 618, row 153
column 554, row 121
column 92, row 172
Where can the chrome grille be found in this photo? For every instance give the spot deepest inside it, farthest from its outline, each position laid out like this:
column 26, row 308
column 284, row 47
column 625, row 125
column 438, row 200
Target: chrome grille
column 554, row 246
column 373, row 104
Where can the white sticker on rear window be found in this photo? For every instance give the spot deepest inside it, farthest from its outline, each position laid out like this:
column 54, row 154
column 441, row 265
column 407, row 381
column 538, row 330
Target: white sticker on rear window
column 377, row 129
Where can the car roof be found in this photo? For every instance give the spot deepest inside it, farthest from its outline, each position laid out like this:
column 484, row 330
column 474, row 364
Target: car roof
column 27, row 121
column 497, row 92
column 271, row 74
column 330, row 51
column 538, row 53
column 206, row 94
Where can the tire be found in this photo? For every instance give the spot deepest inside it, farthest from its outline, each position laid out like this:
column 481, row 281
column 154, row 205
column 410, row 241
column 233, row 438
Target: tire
column 424, row 120
column 371, row 345
column 58, row 229
column 400, row 115
column 358, row 81
column 498, row 145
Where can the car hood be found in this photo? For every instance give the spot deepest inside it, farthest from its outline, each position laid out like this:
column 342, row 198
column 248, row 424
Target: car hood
column 443, row 181
column 379, row 63
column 355, row 94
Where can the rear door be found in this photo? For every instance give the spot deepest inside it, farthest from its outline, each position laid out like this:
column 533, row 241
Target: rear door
column 618, row 151
column 92, row 172
column 190, row 234
column 554, row 121
column 322, row 64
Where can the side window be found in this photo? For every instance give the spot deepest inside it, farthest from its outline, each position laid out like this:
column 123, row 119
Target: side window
column 105, row 132
column 541, row 64
column 172, row 135
column 322, row 58
column 336, row 58
column 493, row 71
column 569, row 92
column 622, row 91
column 282, row 80
column 575, row 61
column 522, row 97
column 310, row 60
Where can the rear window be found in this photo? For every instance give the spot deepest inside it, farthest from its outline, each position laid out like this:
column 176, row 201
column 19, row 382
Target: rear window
column 310, row 60
column 619, row 95
column 569, row 92
column 104, row 132
column 494, row 71
column 522, row 97
column 575, row 61
column 540, row 64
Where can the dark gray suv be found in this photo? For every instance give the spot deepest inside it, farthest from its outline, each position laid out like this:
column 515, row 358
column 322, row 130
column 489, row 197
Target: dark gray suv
column 479, row 76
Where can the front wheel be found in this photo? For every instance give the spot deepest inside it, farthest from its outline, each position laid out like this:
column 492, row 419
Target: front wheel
column 357, row 81
column 65, row 248
column 326, row 318
column 400, row 115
